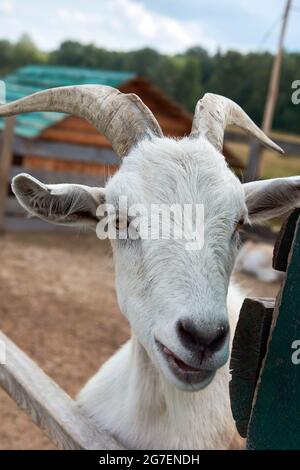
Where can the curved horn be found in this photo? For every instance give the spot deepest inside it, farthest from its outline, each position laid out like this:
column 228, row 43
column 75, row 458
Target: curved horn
column 123, row 119
column 214, row 112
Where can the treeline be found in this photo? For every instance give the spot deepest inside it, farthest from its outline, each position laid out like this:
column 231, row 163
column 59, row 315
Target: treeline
column 185, row 77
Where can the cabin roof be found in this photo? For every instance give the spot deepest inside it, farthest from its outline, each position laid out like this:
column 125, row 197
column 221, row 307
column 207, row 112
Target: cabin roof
column 34, row 78
column 59, row 127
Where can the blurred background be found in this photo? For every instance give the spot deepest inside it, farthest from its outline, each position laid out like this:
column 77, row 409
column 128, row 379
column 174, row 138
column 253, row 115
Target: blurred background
column 57, row 299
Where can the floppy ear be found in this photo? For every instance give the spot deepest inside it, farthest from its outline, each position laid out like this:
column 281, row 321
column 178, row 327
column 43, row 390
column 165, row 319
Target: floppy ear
column 66, row 204
column 272, row 198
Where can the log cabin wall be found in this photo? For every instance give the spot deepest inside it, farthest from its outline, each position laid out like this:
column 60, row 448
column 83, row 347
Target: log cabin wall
column 173, row 120
column 74, row 136
column 57, row 148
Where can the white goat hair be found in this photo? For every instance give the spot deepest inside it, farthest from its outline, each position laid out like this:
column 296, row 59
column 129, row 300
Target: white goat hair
column 136, row 404
column 128, row 396
column 167, row 387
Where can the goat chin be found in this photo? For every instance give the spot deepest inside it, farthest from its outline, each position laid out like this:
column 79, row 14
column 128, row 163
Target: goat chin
column 129, row 398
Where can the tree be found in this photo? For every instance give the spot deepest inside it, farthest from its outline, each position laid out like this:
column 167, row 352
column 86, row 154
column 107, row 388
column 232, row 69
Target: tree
column 25, row 52
column 184, row 77
column 6, row 56
column 189, row 84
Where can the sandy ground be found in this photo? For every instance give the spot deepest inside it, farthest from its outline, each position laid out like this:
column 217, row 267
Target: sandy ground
column 57, row 302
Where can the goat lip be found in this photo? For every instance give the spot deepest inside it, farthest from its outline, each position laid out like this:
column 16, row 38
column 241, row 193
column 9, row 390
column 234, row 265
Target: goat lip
column 189, row 377
column 178, row 364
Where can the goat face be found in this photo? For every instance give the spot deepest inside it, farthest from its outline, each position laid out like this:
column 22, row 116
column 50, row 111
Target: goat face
column 173, row 297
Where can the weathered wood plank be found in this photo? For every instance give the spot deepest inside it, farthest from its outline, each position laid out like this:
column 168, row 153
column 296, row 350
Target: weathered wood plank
column 55, row 177
column 248, row 352
column 290, row 148
column 252, row 169
column 5, row 163
column 15, row 223
column 275, row 419
column 64, row 151
column 47, row 404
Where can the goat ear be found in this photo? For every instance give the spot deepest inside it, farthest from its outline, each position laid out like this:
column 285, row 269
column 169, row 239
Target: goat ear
column 272, row 198
column 66, row 204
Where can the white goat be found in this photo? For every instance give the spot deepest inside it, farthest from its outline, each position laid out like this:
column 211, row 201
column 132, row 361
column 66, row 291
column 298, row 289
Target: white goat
column 167, row 387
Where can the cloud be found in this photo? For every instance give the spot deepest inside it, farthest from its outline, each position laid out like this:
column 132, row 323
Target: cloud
column 125, row 24
column 169, row 26
column 262, row 10
column 7, row 6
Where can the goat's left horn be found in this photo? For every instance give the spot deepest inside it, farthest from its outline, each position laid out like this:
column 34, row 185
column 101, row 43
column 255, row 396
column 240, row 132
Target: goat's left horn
column 214, row 112
column 123, row 119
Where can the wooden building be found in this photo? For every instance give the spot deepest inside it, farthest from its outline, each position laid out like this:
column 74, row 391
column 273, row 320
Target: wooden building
column 56, row 147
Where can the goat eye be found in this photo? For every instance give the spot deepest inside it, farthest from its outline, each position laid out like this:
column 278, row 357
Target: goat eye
column 240, row 224
column 121, row 223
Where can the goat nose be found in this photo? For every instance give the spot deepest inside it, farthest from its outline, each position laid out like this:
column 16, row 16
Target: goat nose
column 205, row 338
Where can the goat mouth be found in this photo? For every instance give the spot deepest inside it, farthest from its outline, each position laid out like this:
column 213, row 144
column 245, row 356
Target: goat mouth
column 183, row 371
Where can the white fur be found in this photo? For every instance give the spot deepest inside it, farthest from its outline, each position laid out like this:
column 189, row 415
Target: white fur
column 133, row 401
column 135, row 395
column 157, row 282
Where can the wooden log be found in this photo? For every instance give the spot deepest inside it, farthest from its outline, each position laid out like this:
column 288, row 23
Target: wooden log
column 275, row 418
column 248, row 352
column 54, row 177
column 95, row 169
column 63, row 151
column 47, row 404
column 5, row 163
column 25, row 224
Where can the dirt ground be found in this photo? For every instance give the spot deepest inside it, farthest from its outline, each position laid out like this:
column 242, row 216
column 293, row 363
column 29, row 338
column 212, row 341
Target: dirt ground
column 57, row 302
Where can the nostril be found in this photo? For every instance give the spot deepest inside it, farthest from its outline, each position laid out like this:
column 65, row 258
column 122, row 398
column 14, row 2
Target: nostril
column 192, row 337
column 186, row 332
column 220, row 338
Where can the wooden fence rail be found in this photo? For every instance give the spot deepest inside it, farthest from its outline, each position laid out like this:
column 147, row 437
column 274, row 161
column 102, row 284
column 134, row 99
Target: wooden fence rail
column 265, row 362
column 290, row 148
column 47, row 404
column 6, row 154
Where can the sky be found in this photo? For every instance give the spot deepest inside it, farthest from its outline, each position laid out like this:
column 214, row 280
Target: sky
column 169, row 26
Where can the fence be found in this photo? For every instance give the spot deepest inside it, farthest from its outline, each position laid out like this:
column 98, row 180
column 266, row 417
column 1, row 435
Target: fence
column 265, row 384
column 47, row 404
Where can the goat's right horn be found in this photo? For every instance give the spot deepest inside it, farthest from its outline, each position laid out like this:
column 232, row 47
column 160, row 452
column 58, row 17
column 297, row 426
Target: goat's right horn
column 123, row 119
column 214, row 112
